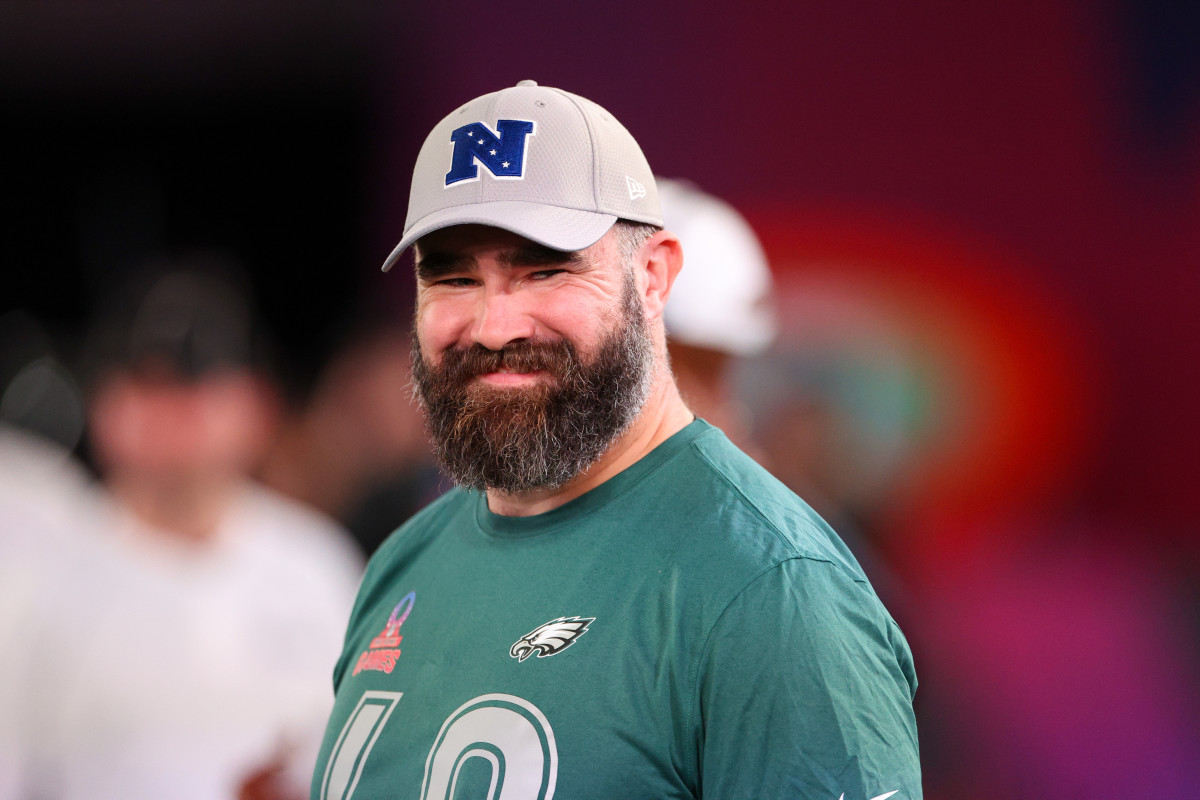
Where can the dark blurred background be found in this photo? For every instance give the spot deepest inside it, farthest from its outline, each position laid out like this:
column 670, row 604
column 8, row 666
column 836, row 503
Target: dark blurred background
column 983, row 222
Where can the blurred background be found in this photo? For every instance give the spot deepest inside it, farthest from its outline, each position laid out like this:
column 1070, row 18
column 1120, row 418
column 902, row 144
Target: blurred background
column 982, row 221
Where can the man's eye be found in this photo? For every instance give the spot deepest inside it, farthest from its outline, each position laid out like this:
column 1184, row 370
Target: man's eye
column 543, row 274
column 453, row 282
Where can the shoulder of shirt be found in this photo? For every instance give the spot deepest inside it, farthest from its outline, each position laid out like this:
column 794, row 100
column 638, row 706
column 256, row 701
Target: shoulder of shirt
column 775, row 536
column 774, row 524
column 423, row 523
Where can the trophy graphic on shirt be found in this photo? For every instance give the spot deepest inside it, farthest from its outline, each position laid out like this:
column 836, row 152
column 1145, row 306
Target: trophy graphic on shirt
column 381, row 654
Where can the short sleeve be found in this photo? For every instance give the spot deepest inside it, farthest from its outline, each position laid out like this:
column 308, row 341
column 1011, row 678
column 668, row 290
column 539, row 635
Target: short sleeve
column 805, row 690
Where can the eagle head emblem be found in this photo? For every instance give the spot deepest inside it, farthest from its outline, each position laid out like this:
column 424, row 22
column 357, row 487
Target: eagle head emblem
column 553, row 637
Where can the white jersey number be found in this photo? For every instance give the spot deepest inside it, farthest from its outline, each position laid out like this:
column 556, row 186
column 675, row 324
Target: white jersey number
column 510, row 736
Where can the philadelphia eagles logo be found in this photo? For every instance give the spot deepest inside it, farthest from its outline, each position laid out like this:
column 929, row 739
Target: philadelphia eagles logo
column 553, row 637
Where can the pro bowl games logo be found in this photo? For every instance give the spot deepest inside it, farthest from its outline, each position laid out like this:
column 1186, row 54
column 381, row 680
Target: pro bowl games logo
column 383, row 651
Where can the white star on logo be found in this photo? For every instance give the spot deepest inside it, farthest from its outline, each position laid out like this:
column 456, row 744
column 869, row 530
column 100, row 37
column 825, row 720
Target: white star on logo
column 491, row 152
column 505, row 165
column 481, row 141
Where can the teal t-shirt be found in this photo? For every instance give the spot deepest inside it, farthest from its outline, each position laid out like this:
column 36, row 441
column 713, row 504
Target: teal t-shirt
column 689, row 628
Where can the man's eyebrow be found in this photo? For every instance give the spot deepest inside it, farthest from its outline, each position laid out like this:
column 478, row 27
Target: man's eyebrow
column 538, row 255
column 433, row 265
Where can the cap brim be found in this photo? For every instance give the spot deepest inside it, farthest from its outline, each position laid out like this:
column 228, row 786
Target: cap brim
column 564, row 229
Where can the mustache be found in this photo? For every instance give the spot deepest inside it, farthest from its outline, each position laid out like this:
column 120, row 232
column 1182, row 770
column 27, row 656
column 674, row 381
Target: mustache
column 557, row 358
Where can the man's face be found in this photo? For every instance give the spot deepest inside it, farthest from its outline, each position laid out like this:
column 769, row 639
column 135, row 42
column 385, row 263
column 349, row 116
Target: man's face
column 162, row 427
column 529, row 362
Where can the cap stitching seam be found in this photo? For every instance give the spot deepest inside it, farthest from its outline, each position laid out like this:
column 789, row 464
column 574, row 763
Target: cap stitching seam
column 587, row 123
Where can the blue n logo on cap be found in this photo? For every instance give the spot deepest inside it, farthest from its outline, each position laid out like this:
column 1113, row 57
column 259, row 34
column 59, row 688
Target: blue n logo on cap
column 503, row 153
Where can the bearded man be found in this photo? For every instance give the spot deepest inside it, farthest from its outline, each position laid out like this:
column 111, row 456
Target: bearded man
column 615, row 602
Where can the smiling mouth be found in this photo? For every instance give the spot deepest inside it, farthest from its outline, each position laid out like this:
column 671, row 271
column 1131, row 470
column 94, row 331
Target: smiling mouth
column 510, row 377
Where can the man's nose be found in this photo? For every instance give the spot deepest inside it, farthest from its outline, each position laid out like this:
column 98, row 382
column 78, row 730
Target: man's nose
column 503, row 318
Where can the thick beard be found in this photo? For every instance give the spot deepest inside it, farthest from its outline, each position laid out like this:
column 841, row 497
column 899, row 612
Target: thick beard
column 518, row 440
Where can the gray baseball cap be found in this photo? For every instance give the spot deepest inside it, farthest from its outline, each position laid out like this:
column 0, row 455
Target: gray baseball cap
column 545, row 164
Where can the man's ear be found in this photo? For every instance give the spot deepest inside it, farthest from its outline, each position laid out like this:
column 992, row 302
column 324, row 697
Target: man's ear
column 662, row 255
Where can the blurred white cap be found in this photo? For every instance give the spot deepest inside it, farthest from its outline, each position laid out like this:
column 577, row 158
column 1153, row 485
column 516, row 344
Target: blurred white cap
column 722, row 297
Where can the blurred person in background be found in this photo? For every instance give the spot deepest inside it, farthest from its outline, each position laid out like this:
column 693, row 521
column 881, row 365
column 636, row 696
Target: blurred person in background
column 720, row 308
column 191, row 657
column 44, row 503
column 721, row 321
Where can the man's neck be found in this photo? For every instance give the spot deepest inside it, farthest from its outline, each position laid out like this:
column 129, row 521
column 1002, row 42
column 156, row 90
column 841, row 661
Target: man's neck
column 186, row 510
column 662, row 417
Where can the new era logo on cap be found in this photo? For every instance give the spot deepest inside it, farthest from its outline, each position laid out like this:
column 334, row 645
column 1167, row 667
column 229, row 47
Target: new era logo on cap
column 636, row 190
column 501, row 153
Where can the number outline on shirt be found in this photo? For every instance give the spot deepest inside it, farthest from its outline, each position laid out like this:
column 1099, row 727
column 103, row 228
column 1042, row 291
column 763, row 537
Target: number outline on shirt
column 355, row 741
column 511, row 734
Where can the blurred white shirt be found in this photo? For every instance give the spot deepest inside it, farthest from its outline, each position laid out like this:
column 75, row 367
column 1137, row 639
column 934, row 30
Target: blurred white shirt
column 167, row 669
column 44, row 500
